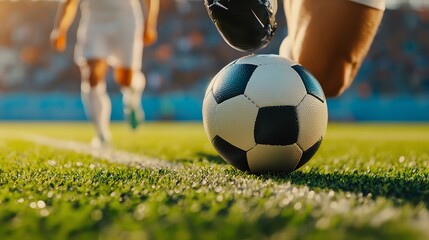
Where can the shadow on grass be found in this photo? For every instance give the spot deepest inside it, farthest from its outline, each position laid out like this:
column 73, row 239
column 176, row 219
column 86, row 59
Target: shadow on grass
column 409, row 187
column 398, row 188
column 211, row 158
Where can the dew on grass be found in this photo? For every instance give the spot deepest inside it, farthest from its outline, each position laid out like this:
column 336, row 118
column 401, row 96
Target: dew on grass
column 52, row 162
column 50, row 194
column 41, row 204
column 284, row 202
column 218, row 189
column 333, row 205
column 139, row 213
column 96, row 215
column 44, row 212
column 383, row 216
column 162, row 210
column 297, row 206
column 310, row 195
column 323, row 223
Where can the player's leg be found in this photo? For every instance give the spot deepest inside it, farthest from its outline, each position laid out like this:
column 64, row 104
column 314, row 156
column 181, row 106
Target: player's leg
column 125, row 56
column 132, row 84
column 331, row 38
column 95, row 98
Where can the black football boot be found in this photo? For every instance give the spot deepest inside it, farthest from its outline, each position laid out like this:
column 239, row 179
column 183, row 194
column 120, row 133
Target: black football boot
column 246, row 25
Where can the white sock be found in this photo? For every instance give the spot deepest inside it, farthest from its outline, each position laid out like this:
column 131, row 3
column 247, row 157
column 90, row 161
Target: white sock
column 377, row 4
column 285, row 49
column 132, row 95
column 98, row 108
column 274, row 5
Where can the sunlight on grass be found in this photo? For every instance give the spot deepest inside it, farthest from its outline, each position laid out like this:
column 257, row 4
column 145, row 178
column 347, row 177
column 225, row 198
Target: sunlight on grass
column 357, row 186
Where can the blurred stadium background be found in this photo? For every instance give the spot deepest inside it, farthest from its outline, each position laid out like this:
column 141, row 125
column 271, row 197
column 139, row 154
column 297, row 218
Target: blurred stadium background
column 38, row 84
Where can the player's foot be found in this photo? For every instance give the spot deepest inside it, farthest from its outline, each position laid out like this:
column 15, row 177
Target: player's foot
column 245, row 25
column 133, row 109
column 98, row 142
column 134, row 116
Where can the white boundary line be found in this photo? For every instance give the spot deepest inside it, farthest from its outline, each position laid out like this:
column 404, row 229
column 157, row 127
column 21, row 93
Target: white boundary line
column 106, row 153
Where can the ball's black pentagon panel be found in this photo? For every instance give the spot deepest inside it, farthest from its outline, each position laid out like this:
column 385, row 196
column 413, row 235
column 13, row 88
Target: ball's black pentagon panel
column 307, row 155
column 210, row 86
column 277, row 125
column 311, row 84
column 233, row 155
column 232, row 81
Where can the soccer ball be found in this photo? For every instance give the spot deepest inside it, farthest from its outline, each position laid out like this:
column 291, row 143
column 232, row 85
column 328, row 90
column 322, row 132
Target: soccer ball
column 265, row 113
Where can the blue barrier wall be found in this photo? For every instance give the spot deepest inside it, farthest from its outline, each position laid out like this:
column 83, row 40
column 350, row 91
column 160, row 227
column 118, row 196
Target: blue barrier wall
column 61, row 106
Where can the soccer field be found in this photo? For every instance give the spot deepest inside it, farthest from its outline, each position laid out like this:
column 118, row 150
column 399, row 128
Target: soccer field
column 167, row 182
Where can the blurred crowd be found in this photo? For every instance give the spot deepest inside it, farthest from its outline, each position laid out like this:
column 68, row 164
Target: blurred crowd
column 398, row 61
column 190, row 51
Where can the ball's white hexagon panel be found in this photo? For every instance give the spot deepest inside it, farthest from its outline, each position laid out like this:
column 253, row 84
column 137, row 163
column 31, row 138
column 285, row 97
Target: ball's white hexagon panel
column 275, row 85
column 265, row 59
column 235, row 121
column 267, row 158
column 313, row 120
column 209, row 115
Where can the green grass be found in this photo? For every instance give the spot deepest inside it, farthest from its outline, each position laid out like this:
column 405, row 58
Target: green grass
column 366, row 182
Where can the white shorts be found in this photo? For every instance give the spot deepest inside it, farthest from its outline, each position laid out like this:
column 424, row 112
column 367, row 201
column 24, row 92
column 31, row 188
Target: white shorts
column 114, row 34
column 377, row 4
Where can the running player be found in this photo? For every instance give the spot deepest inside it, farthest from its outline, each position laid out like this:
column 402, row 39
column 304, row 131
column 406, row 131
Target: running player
column 111, row 33
column 330, row 38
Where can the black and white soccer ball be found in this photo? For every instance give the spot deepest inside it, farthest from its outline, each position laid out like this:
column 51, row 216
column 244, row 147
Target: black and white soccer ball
column 265, row 113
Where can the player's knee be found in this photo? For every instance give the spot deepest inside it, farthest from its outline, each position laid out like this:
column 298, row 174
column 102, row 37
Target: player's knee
column 85, row 87
column 334, row 82
column 334, row 87
column 123, row 77
column 139, row 80
column 94, row 79
column 94, row 72
column 334, row 78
